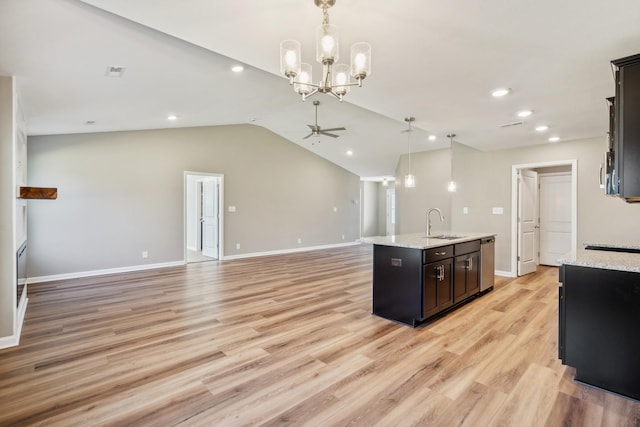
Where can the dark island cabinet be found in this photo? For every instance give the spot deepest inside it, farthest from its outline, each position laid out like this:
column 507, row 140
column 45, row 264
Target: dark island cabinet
column 466, row 271
column 599, row 317
column 413, row 285
column 438, row 287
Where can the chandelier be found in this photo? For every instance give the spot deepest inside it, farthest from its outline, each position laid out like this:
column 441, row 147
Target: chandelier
column 336, row 78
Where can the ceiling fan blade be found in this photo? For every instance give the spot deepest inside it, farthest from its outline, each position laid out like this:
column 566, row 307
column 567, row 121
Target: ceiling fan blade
column 312, row 127
column 332, row 129
column 308, row 135
column 332, row 135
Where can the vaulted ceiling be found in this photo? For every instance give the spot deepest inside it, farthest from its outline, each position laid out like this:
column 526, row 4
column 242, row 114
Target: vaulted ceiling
column 435, row 60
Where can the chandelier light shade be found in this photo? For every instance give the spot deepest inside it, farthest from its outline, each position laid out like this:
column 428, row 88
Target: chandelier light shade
column 336, row 78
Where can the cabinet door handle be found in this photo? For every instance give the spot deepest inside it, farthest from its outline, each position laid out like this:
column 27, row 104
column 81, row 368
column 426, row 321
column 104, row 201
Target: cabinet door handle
column 469, row 263
column 442, row 272
column 441, row 253
column 600, row 177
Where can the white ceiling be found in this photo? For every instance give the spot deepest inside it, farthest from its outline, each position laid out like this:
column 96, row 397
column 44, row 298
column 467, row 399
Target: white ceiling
column 435, row 60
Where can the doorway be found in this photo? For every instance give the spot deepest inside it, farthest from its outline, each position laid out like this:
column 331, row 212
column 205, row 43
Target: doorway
column 391, row 212
column 544, row 221
column 203, row 219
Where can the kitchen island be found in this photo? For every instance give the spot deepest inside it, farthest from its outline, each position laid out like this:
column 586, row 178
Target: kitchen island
column 416, row 278
column 599, row 316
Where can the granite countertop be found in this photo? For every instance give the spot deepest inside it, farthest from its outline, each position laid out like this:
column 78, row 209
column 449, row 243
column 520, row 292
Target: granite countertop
column 419, row 241
column 608, row 260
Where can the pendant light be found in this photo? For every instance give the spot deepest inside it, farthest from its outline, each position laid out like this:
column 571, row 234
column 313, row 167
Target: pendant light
column 409, row 179
column 451, row 186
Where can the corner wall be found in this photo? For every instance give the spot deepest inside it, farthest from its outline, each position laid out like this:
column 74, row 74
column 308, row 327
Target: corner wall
column 121, row 193
column 484, row 181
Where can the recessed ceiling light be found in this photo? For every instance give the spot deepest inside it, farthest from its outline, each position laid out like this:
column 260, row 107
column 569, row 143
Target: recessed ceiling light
column 172, row 117
column 525, row 113
column 554, row 139
column 237, row 68
column 497, row 93
column 349, row 153
column 432, row 137
column 541, row 128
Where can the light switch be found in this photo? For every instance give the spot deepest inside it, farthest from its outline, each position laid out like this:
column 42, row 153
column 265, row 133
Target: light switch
column 232, row 208
column 498, row 211
column 465, row 210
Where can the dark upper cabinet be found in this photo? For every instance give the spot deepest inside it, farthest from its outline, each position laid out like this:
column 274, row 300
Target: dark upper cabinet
column 626, row 128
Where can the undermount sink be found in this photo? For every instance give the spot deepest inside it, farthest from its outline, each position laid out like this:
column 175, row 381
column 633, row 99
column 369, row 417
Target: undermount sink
column 445, row 237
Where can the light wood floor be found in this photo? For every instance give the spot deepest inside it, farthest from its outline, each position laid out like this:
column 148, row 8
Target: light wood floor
column 289, row 340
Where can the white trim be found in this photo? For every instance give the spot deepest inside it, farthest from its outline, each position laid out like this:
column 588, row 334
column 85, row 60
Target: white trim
column 221, row 207
column 504, row 273
column 514, row 204
column 10, row 341
column 81, row 274
column 289, row 251
column 14, row 340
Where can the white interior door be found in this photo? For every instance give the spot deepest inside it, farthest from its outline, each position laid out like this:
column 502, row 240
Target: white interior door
column 209, row 220
column 391, row 212
column 527, row 221
column 555, row 217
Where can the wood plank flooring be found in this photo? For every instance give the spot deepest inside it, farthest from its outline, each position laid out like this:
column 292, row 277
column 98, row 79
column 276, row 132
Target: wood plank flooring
column 289, row 340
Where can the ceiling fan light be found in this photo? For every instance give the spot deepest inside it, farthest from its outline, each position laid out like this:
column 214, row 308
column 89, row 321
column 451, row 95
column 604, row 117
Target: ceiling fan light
column 360, row 60
column 290, row 58
column 327, row 44
column 305, row 76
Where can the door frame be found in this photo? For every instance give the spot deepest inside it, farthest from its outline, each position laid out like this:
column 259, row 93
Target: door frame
column 185, row 220
column 514, row 204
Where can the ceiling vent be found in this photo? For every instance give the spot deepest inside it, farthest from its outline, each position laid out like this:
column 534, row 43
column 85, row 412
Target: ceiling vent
column 115, row 71
column 506, row 125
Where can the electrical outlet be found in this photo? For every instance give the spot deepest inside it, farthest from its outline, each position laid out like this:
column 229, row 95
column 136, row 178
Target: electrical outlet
column 465, row 210
column 343, row 237
column 237, row 245
column 145, row 254
column 299, row 240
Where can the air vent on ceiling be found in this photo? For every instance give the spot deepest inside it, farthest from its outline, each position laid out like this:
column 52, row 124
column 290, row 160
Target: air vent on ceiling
column 506, row 125
column 115, row 71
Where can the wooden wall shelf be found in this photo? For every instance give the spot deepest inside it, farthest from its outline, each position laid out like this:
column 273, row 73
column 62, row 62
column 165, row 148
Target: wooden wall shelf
column 38, row 193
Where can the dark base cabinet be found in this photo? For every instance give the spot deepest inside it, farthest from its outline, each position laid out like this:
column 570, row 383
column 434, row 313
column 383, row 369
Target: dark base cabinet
column 599, row 317
column 413, row 285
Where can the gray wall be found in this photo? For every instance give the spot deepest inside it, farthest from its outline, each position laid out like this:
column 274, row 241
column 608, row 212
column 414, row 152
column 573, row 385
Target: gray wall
column 369, row 206
column 7, row 209
column 382, row 208
column 121, row 193
column 484, row 181
column 432, row 170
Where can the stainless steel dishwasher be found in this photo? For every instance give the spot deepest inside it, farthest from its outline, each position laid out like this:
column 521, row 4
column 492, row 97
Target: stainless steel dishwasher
column 488, row 263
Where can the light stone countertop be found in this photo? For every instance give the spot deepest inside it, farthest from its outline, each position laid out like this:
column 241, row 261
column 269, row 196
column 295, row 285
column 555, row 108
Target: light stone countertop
column 608, row 260
column 419, row 241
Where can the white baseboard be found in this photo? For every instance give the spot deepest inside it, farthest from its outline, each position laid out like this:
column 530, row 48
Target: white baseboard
column 504, row 273
column 81, row 274
column 288, row 251
column 14, row 340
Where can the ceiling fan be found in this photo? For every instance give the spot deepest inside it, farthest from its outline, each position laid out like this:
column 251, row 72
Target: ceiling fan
column 317, row 130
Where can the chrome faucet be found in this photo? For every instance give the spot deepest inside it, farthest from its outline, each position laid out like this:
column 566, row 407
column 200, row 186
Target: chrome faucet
column 429, row 219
